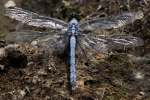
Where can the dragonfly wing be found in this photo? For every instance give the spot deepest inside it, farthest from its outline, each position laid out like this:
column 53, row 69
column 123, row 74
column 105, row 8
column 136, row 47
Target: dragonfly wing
column 34, row 19
column 46, row 41
column 124, row 41
column 53, row 43
column 111, row 22
column 103, row 44
column 24, row 36
column 90, row 43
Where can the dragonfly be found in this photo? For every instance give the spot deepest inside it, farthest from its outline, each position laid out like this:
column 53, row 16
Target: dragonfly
column 73, row 34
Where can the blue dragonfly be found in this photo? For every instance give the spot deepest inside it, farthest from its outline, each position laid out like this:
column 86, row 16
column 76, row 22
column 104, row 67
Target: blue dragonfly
column 70, row 35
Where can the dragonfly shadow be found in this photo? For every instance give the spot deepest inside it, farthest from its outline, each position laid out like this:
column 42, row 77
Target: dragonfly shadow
column 62, row 55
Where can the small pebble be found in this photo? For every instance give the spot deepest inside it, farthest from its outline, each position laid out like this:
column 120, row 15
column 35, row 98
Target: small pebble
column 42, row 72
column 34, row 43
column 2, row 67
column 22, row 93
column 30, row 63
column 2, row 52
column 139, row 75
column 142, row 93
column 35, row 79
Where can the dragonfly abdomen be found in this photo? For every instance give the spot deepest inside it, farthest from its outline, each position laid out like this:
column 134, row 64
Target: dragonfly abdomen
column 72, row 62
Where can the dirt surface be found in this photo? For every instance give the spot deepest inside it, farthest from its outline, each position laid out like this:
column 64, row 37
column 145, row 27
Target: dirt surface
column 30, row 73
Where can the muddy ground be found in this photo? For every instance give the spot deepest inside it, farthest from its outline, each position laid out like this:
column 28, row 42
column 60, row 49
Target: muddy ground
column 29, row 73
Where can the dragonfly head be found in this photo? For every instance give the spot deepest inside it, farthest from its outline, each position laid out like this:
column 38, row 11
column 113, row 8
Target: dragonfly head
column 73, row 27
column 73, row 21
column 74, row 16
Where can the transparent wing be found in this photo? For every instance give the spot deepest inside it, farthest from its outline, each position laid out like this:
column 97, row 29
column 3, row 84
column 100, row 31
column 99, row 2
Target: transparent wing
column 24, row 36
column 52, row 43
column 124, row 41
column 103, row 44
column 46, row 41
column 34, row 19
column 111, row 22
column 90, row 43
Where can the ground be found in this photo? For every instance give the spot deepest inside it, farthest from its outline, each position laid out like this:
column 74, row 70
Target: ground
column 29, row 73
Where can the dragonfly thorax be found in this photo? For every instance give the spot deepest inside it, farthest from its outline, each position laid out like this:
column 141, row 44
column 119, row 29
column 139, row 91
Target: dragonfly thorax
column 73, row 27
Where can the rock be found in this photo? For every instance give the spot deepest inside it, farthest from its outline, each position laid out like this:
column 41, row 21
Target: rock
column 2, row 52
column 21, row 95
column 10, row 3
column 42, row 72
column 139, row 75
column 35, row 79
column 142, row 93
column 34, row 43
column 2, row 67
